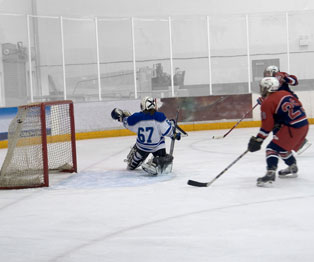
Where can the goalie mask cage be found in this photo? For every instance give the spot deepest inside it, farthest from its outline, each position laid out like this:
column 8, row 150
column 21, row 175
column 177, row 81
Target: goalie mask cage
column 41, row 138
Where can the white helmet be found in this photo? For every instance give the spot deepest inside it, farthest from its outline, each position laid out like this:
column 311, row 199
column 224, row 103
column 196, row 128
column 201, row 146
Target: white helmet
column 268, row 85
column 271, row 70
column 148, row 103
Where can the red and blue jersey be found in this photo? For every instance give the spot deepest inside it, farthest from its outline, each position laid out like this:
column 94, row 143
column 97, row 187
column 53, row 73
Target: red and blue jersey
column 283, row 108
column 287, row 80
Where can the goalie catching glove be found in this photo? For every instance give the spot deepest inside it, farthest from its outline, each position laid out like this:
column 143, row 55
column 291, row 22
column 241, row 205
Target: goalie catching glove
column 119, row 114
column 255, row 144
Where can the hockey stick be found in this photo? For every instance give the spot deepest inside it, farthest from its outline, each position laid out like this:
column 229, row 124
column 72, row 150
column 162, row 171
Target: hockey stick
column 174, row 130
column 182, row 131
column 206, row 184
column 223, row 136
column 304, row 147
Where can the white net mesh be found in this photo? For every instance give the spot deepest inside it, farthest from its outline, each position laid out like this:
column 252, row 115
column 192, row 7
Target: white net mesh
column 28, row 156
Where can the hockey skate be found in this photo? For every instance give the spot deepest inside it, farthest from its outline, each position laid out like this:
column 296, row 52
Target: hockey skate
column 150, row 167
column 267, row 179
column 158, row 165
column 289, row 172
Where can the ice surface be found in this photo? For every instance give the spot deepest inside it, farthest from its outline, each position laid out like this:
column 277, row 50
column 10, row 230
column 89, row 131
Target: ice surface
column 106, row 213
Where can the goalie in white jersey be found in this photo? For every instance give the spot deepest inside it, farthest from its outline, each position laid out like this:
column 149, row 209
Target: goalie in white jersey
column 151, row 128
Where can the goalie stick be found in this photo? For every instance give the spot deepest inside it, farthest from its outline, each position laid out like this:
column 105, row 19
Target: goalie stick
column 174, row 131
column 182, row 131
column 206, row 184
column 223, row 136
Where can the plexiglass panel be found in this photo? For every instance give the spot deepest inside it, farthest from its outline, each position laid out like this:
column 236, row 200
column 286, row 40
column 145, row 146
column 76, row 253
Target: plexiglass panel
column 190, row 56
column 116, row 58
column 268, row 44
column 14, row 73
column 47, row 58
column 228, row 41
column 92, row 59
column 152, row 49
column 80, row 60
column 301, row 41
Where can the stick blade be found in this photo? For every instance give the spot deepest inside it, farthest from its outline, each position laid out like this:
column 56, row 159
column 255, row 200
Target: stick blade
column 196, row 183
column 304, row 147
column 217, row 137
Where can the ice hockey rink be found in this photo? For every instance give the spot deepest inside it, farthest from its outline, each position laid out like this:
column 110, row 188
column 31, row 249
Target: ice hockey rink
column 106, row 213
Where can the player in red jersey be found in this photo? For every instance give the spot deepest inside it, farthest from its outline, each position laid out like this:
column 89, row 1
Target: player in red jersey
column 285, row 81
column 283, row 108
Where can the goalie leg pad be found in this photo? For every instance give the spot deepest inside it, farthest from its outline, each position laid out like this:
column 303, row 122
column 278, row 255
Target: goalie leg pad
column 159, row 165
column 163, row 162
column 135, row 158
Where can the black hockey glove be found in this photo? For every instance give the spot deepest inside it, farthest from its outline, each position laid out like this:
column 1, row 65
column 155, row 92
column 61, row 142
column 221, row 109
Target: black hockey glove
column 260, row 100
column 176, row 136
column 255, row 144
column 118, row 114
column 276, row 128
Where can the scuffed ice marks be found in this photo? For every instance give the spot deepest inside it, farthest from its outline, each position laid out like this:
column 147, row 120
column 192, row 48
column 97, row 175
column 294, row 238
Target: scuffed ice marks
column 112, row 178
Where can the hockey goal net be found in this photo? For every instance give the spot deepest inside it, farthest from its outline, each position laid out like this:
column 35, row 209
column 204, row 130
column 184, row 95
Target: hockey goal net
column 41, row 139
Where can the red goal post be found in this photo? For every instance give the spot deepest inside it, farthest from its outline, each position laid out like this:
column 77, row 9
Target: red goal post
column 41, row 139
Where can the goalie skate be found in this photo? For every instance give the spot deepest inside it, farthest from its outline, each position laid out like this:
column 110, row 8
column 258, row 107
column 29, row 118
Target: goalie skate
column 158, row 165
column 150, row 168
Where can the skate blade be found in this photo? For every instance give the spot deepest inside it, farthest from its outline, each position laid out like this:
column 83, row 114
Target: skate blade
column 150, row 170
column 264, row 184
column 288, row 176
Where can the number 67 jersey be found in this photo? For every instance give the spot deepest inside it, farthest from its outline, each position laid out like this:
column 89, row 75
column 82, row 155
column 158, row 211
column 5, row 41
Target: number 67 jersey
column 151, row 129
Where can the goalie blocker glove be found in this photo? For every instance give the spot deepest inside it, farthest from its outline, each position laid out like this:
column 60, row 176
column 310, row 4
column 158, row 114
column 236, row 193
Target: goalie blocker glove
column 255, row 144
column 176, row 136
column 119, row 114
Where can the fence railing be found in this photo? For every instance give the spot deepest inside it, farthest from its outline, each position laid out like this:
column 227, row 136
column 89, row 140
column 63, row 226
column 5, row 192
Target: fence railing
column 99, row 58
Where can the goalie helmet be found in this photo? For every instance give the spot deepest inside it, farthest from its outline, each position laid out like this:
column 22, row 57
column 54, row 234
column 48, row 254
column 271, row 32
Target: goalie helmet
column 271, row 70
column 268, row 85
column 148, row 103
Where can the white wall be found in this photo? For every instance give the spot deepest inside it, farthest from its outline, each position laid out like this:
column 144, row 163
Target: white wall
column 151, row 7
column 96, row 116
column 16, row 6
column 166, row 7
